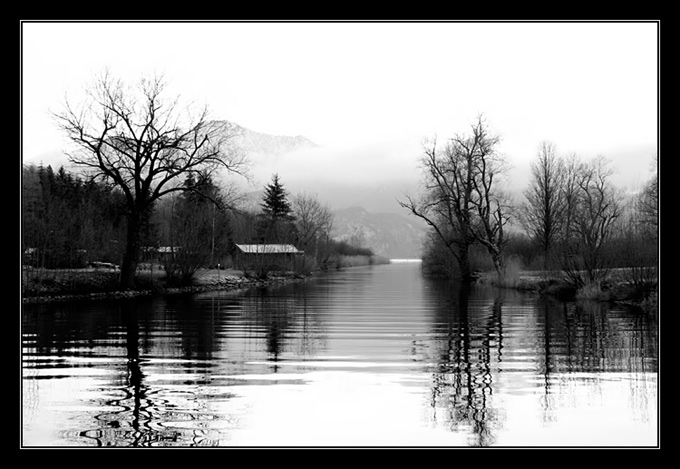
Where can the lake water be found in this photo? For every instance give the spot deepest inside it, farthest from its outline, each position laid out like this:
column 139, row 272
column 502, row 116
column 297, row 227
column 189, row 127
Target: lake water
column 371, row 356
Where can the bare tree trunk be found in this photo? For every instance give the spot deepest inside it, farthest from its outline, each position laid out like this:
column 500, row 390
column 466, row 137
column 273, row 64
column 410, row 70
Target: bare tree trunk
column 464, row 263
column 131, row 258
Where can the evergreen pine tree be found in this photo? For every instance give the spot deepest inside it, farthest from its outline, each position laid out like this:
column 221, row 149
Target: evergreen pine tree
column 276, row 222
column 275, row 201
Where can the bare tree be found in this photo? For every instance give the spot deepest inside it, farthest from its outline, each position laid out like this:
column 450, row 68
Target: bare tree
column 571, row 192
column 648, row 205
column 144, row 144
column 199, row 228
column 543, row 214
column 313, row 223
column 312, row 218
column 445, row 204
column 459, row 201
column 492, row 207
column 597, row 208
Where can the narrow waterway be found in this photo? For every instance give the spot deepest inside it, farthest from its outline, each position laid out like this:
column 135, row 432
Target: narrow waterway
column 368, row 356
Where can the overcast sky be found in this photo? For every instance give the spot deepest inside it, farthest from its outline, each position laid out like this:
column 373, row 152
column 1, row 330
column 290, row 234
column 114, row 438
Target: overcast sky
column 588, row 87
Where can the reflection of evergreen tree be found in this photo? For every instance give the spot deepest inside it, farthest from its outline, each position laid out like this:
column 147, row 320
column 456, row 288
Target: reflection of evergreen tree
column 282, row 320
column 276, row 319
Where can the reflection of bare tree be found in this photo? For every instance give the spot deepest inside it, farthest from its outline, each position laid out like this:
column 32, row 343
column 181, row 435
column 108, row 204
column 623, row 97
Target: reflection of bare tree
column 128, row 424
column 134, row 371
column 547, row 400
column 139, row 413
column 568, row 341
column 594, row 338
column 136, row 418
column 463, row 380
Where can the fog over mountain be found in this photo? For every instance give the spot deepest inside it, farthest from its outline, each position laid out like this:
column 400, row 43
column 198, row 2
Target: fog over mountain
column 371, row 175
column 387, row 234
column 361, row 184
column 254, row 143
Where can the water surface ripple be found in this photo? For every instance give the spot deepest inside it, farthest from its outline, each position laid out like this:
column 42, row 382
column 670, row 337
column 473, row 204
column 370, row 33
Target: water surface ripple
column 370, row 356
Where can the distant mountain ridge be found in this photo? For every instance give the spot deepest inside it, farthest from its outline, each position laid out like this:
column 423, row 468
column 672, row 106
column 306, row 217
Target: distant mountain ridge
column 252, row 142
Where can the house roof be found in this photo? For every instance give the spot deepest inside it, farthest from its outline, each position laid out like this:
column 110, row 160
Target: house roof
column 268, row 248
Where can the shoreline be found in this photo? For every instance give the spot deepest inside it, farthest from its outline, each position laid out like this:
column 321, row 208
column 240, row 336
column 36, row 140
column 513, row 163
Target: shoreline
column 97, row 283
column 230, row 280
column 208, row 280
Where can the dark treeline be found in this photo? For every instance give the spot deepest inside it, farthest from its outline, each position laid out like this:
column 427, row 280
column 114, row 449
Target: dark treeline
column 69, row 222
column 66, row 221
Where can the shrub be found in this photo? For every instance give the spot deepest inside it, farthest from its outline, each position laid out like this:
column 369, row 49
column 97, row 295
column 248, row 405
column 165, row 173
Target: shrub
column 560, row 290
column 591, row 291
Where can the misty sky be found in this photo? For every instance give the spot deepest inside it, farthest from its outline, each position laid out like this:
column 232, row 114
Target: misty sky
column 370, row 92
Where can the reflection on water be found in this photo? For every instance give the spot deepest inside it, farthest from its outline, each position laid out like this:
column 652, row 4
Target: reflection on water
column 489, row 350
column 373, row 356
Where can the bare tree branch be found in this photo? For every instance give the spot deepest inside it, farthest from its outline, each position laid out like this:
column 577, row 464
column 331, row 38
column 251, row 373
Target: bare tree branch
column 144, row 144
column 461, row 202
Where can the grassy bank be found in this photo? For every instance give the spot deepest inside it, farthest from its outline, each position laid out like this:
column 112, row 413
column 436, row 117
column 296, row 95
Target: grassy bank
column 621, row 286
column 41, row 285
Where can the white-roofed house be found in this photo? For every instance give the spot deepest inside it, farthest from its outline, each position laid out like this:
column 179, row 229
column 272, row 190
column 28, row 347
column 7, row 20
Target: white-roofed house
column 265, row 257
